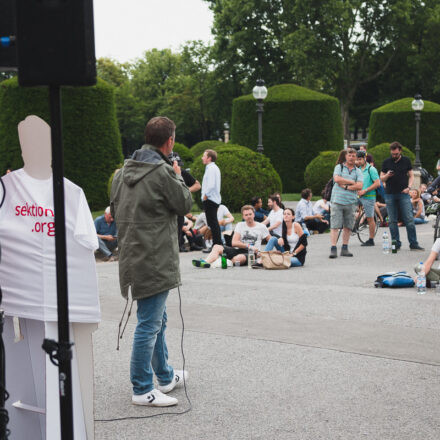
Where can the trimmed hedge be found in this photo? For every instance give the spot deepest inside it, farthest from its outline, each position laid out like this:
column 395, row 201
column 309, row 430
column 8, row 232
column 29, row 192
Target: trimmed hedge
column 245, row 174
column 92, row 145
column 185, row 153
column 320, row 170
column 382, row 151
column 298, row 123
column 200, row 147
column 395, row 122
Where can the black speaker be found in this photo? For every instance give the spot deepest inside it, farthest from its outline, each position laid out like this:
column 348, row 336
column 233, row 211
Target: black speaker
column 8, row 51
column 55, row 42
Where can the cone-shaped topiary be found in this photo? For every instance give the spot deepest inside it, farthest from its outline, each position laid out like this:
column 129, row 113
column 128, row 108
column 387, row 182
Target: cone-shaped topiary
column 319, row 171
column 298, row 123
column 245, row 174
column 395, row 122
column 185, row 153
column 91, row 140
column 200, row 147
column 382, row 151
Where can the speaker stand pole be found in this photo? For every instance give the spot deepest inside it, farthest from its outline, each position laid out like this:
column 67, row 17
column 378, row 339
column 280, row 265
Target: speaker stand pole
column 62, row 350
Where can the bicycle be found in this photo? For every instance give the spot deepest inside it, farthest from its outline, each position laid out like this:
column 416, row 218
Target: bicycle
column 361, row 227
column 434, row 208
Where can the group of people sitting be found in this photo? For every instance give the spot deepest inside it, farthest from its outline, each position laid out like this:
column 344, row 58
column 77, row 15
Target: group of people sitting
column 278, row 228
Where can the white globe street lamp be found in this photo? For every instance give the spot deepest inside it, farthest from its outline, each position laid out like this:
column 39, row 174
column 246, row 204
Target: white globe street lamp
column 417, row 105
column 260, row 93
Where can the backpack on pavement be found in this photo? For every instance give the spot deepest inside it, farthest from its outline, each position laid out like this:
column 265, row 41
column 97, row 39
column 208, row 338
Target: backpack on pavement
column 394, row 279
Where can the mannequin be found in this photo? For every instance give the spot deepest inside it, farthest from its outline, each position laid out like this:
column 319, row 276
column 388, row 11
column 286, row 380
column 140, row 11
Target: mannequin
column 28, row 275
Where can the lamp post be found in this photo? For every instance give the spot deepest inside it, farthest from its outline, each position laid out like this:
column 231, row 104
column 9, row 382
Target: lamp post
column 226, row 132
column 260, row 93
column 417, row 105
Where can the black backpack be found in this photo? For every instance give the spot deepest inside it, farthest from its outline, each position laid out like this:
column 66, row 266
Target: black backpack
column 329, row 187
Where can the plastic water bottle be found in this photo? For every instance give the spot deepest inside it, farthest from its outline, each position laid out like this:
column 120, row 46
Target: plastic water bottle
column 251, row 258
column 224, row 261
column 421, row 279
column 385, row 243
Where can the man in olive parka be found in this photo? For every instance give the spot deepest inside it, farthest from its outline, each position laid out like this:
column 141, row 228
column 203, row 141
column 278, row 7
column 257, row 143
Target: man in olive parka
column 147, row 195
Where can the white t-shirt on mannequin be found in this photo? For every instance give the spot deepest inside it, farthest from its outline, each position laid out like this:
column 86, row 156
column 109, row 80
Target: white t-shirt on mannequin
column 28, row 265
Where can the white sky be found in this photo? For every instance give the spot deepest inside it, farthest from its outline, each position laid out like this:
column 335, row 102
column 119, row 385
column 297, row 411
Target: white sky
column 124, row 29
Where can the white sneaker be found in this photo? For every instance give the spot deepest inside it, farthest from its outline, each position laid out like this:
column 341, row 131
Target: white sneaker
column 153, row 398
column 176, row 382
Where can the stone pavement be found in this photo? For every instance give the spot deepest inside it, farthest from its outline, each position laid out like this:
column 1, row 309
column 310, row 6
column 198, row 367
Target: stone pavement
column 308, row 353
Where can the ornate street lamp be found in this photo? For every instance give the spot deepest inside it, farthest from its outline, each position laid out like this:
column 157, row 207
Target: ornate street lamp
column 260, row 93
column 417, row 105
column 226, row 132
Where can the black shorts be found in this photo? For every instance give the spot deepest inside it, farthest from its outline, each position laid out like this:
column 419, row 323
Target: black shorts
column 232, row 252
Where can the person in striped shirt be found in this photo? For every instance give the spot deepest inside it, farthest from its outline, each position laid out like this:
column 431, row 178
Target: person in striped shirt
column 344, row 200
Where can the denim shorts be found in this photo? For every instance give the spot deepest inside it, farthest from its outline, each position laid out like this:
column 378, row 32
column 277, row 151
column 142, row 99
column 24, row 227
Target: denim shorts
column 342, row 216
column 368, row 204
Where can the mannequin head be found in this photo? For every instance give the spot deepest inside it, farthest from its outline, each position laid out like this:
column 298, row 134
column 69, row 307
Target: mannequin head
column 35, row 142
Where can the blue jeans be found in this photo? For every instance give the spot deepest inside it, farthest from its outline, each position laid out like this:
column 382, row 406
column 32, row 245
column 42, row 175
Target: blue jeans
column 401, row 203
column 106, row 247
column 419, row 220
column 149, row 346
column 273, row 243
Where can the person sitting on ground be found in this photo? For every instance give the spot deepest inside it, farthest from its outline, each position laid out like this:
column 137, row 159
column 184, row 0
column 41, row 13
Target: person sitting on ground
column 305, row 215
column 418, row 207
column 322, row 207
column 248, row 235
column 107, row 234
column 293, row 240
column 431, row 273
column 195, row 241
column 225, row 220
column 275, row 217
column 260, row 213
column 279, row 197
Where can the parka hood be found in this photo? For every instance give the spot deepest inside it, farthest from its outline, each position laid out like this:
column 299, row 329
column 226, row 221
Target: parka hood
column 143, row 162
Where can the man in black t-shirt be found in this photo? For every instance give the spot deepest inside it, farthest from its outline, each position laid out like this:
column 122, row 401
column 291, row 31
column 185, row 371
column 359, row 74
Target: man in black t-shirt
column 398, row 177
column 193, row 185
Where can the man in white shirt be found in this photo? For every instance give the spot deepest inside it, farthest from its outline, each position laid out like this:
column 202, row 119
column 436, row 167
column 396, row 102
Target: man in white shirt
column 211, row 198
column 275, row 217
column 305, row 215
column 248, row 235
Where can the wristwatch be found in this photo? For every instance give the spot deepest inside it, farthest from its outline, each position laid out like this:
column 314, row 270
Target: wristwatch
column 294, row 254
column 346, row 186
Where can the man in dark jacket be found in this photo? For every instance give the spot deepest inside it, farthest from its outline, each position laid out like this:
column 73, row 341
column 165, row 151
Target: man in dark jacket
column 147, row 195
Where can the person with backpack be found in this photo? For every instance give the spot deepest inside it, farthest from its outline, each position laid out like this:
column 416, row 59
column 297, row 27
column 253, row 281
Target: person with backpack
column 344, row 201
column 367, row 195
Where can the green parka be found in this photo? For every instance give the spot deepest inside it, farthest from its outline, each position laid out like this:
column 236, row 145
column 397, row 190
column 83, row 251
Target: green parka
column 146, row 197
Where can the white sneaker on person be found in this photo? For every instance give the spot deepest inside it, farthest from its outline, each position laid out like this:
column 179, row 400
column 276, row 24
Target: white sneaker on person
column 176, row 382
column 153, row 398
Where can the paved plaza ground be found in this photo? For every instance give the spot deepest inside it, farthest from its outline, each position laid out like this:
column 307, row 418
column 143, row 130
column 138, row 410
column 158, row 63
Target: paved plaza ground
column 309, row 353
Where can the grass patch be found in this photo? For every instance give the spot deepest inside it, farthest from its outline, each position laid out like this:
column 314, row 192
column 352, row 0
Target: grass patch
column 296, row 197
column 97, row 213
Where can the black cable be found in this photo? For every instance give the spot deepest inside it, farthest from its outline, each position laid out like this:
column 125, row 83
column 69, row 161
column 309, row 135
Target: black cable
column 184, row 383
column 4, row 395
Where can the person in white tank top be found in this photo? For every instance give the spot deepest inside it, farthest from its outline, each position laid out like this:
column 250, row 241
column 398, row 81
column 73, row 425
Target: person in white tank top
column 293, row 239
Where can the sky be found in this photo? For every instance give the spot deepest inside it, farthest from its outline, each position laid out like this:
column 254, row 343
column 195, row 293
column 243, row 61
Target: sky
column 125, row 29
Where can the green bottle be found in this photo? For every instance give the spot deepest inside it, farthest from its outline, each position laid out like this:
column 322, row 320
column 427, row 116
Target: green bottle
column 224, row 261
column 394, row 247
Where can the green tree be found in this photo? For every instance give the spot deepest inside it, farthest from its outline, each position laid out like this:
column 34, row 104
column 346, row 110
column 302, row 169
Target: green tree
column 342, row 44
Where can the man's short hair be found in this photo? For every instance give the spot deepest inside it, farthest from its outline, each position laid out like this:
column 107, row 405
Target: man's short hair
column 306, row 193
column 107, row 210
column 395, row 146
column 247, row 208
column 275, row 199
column 212, row 154
column 158, row 130
column 255, row 200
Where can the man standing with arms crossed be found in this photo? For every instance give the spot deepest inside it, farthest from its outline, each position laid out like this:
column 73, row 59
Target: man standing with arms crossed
column 147, row 195
column 398, row 176
column 211, row 198
column 348, row 180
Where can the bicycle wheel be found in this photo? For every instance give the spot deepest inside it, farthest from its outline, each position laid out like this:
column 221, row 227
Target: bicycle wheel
column 437, row 227
column 362, row 230
column 377, row 221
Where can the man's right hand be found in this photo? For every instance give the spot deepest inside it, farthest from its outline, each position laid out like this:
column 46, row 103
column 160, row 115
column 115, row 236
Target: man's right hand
column 176, row 168
column 109, row 238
